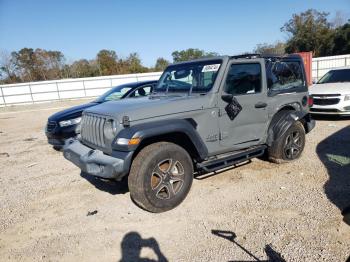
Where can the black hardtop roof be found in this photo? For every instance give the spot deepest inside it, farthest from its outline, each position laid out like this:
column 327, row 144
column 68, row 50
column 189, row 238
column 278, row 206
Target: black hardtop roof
column 266, row 56
column 244, row 56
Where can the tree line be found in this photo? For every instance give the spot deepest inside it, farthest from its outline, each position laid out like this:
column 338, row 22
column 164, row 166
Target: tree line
column 308, row 31
column 312, row 31
column 28, row 64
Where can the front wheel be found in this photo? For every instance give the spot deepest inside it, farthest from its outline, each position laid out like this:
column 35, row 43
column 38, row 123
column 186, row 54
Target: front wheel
column 289, row 146
column 161, row 176
column 57, row 148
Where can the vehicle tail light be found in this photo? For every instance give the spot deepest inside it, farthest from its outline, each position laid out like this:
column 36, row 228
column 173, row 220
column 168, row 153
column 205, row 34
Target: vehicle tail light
column 310, row 101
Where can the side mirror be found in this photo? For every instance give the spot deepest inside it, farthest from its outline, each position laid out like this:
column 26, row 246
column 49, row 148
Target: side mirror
column 313, row 82
column 227, row 98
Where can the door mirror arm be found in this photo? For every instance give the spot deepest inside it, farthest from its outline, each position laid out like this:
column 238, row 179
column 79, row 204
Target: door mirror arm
column 228, row 98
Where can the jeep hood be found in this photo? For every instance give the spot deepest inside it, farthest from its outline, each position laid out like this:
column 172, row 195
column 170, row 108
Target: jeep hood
column 149, row 107
column 330, row 88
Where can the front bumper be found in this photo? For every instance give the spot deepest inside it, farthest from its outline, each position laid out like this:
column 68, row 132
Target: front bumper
column 329, row 112
column 55, row 142
column 58, row 135
column 95, row 162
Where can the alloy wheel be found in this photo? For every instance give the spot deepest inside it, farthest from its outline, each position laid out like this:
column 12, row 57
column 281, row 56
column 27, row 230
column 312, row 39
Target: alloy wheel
column 167, row 179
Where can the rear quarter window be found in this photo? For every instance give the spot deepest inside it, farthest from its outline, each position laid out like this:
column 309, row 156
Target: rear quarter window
column 285, row 76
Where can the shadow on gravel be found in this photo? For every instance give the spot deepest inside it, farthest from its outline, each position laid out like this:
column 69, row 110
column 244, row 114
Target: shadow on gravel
column 109, row 186
column 272, row 255
column 334, row 152
column 132, row 245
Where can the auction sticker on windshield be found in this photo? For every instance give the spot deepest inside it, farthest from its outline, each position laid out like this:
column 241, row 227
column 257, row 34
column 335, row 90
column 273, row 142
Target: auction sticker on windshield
column 211, row 68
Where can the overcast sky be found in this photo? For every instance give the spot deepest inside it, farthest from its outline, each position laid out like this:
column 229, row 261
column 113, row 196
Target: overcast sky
column 151, row 28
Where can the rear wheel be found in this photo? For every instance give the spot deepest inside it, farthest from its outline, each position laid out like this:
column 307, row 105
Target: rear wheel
column 289, row 146
column 161, row 176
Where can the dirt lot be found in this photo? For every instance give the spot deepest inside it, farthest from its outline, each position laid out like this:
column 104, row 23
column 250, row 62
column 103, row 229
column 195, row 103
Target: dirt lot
column 50, row 212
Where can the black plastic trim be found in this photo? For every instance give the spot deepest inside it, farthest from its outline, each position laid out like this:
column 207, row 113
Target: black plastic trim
column 127, row 157
column 282, row 121
column 235, row 158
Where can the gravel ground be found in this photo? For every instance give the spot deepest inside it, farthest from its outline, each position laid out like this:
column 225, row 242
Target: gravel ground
column 257, row 211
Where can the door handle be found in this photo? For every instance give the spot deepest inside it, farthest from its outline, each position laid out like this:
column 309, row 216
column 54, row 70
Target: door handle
column 260, row 105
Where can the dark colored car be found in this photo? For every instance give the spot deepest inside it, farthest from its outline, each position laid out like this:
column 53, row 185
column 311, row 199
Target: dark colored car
column 62, row 125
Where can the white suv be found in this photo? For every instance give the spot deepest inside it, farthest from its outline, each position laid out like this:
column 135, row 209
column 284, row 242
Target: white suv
column 331, row 94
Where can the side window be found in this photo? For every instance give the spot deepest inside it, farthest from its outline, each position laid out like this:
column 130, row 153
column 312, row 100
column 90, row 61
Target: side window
column 284, row 75
column 117, row 94
column 142, row 91
column 243, row 79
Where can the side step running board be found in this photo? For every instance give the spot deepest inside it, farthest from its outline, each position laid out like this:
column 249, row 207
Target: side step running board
column 229, row 160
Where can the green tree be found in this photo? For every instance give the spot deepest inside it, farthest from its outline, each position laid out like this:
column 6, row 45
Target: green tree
column 309, row 31
column 342, row 40
column 38, row 64
column 25, row 62
column 270, row 49
column 161, row 64
column 190, row 54
column 8, row 69
column 48, row 64
column 83, row 68
column 133, row 62
column 107, row 62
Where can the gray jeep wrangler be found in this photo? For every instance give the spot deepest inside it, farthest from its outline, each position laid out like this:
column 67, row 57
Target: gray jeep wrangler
column 204, row 115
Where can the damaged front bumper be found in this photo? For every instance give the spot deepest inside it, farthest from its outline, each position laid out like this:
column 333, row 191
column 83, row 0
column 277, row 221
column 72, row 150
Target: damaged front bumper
column 95, row 162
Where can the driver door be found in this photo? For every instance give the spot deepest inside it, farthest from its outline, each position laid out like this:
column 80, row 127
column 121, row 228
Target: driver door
column 246, row 125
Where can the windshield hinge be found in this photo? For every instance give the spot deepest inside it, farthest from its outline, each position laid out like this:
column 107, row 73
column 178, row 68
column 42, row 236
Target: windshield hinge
column 219, row 112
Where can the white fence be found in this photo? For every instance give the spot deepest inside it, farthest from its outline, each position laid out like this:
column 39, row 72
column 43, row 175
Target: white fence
column 45, row 91
column 322, row 65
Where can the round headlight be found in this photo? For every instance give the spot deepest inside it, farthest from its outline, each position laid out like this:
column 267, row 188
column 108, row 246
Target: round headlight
column 110, row 129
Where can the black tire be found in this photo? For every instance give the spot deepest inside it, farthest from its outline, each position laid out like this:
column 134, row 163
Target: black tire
column 289, row 146
column 57, row 148
column 161, row 176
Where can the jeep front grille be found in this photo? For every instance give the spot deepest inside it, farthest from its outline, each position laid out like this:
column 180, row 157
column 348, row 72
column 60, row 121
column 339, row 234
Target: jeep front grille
column 92, row 129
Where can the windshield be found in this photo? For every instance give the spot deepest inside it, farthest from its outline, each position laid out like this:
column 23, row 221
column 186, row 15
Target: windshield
column 336, row 76
column 115, row 93
column 189, row 77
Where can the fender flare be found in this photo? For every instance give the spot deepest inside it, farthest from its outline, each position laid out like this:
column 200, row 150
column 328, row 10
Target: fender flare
column 162, row 127
column 281, row 122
